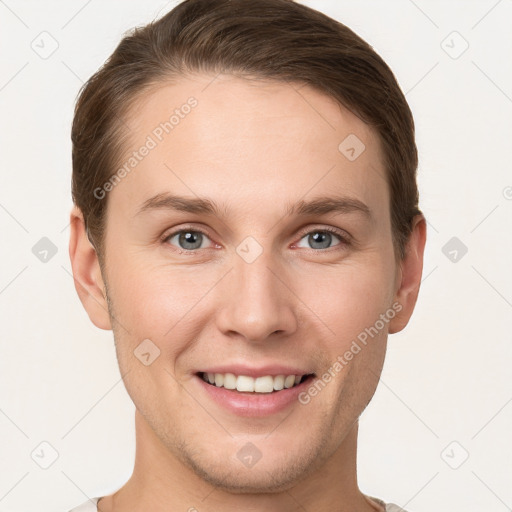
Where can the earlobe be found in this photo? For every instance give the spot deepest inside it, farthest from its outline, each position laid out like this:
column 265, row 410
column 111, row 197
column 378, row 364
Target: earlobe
column 411, row 268
column 87, row 273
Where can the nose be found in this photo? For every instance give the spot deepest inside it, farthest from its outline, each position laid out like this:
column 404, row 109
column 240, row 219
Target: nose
column 257, row 301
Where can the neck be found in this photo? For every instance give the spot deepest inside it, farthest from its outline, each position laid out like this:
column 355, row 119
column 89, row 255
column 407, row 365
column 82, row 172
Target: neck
column 162, row 483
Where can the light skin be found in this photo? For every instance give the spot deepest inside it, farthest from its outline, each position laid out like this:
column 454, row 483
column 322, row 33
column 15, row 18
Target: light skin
column 256, row 149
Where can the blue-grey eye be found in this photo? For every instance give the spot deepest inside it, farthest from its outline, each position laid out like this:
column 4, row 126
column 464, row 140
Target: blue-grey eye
column 319, row 239
column 188, row 239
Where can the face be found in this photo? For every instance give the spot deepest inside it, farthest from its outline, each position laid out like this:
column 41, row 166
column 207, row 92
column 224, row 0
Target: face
column 247, row 244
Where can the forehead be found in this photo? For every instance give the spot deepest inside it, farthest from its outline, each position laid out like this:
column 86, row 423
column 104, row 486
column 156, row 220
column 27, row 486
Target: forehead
column 223, row 134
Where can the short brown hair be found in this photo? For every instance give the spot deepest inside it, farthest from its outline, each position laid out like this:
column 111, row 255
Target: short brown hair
column 270, row 39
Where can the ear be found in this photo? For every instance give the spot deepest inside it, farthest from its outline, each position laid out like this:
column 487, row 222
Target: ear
column 409, row 279
column 87, row 272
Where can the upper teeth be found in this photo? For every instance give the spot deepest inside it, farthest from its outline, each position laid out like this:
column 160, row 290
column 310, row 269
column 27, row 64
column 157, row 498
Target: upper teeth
column 265, row 384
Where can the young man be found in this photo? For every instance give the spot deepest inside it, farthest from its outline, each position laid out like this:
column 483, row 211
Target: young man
column 246, row 222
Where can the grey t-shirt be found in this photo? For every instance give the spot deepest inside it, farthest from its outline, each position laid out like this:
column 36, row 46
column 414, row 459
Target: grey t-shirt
column 91, row 506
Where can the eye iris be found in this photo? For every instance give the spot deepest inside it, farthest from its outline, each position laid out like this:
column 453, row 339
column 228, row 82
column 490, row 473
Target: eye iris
column 190, row 237
column 321, row 237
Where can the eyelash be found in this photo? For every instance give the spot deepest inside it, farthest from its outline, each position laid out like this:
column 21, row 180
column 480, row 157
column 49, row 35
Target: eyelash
column 344, row 238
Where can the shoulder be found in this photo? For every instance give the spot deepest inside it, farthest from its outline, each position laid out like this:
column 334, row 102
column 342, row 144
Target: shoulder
column 89, row 506
column 391, row 507
column 387, row 507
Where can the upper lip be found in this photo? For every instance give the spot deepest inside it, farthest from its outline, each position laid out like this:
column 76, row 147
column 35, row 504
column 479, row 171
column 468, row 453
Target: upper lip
column 251, row 371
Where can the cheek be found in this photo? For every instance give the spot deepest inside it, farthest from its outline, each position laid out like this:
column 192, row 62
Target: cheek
column 349, row 298
column 356, row 306
column 160, row 303
column 144, row 290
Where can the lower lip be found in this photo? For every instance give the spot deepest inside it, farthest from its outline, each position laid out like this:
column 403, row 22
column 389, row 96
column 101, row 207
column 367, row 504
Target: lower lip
column 254, row 404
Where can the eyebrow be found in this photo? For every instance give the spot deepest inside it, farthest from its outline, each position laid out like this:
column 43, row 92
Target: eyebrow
column 318, row 206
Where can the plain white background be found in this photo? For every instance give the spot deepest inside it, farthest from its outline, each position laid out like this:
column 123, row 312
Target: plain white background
column 446, row 390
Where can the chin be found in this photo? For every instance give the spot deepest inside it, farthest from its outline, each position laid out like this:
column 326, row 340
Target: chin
column 250, row 481
column 270, row 474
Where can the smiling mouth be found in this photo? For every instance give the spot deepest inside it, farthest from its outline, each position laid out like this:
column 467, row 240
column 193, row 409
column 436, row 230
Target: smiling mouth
column 247, row 384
